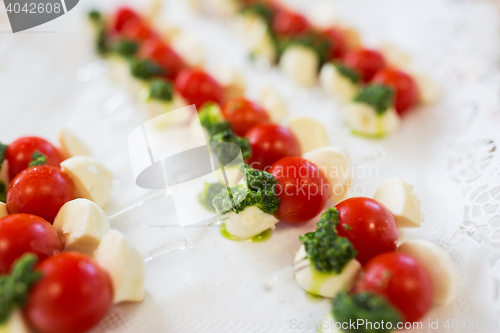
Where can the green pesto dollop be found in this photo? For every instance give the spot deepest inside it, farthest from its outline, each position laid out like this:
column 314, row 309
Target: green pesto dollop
column 161, row 90
column 348, row 73
column 326, row 250
column 378, row 96
column 144, row 69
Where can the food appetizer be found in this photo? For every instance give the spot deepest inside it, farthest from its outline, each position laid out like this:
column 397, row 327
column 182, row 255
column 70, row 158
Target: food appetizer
column 271, row 187
column 353, row 257
column 375, row 85
column 162, row 69
column 55, row 234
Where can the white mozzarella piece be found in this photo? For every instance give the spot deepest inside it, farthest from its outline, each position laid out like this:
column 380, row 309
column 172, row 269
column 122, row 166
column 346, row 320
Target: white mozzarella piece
column 15, row 324
column 310, row 133
column 81, row 224
column 256, row 34
column 323, row 284
column 119, row 70
column 92, row 180
column 364, row 120
column 427, row 89
column 71, row 145
column 4, row 173
column 337, row 84
column 249, row 222
column 395, row 57
column 273, row 103
column 400, row 198
column 154, row 108
column 227, row 8
column 301, row 64
column 231, row 80
column 125, row 266
column 323, row 14
column 336, row 165
column 328, row 324
column 3, row 210
column 189, row 49
column 438, row 264
column 352, row 38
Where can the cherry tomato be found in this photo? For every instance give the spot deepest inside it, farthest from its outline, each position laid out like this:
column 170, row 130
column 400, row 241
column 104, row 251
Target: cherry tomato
column 402, row 280
column 302, row 188
column 122, row 16
column 366, row 62
column 164, row 56
column 243, row 115
column 197, row 87
column 338, row 44
column 270, row 143
column 289, row 24
column 72, row 296
column 368, row 225
column 41, row 191
column 137, row 30
column 19, row 153
column 22, row 233
column 404, row 86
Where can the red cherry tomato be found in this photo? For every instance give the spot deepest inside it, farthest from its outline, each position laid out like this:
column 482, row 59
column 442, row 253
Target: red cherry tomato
column 19, row 153
column 41, row 191
column 289, row 24
column 72, row 296
column 404, row 86
column 368, row 225
column 122, row 16
column 302, row 188
column 243, row 115
column 366, row 62
column 402, row 280
column 197, row 87
column 164, row 56
column 338, row 44
column 137, row 30
column 22, row 233
column 270, row 143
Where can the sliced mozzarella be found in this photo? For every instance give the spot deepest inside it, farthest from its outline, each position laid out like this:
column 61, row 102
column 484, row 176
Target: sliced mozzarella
column 402, row 201
column 125, row 266
column 119, row 69
column 273, row 103
column 4, row 173
column 438, row 264
column 301, row 64
column 336, row 165
column 395, row 57
column 310, row 133
column 154, row 108
column 337, row 84
column 92, row 180
column 428, row 91
column 323, row 14
column 189, row 49
column 256, row 34
column 328, row 324
column 249, row 222
column 71, row 145
column 232, row 81
column 323, row 284
column 81, row 224
column 364, row 120
column 352, row 38
column 3, row 210
column 15, row 324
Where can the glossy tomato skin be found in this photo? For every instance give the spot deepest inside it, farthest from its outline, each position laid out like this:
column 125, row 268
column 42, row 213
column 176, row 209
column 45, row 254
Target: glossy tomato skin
column 164, row 56
column 288, row 24
column 23, row 233
column 122, row 16
column 364, row 61
column 405, row 88
column 198, row 87
column 368, row 225
column 138, row 31
column 41, row 191
column 302, row 188
column 402, row 280
column 19, row 153
column 244, row 114
column 270, row 143
column 72, row 296
column 338, row 44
